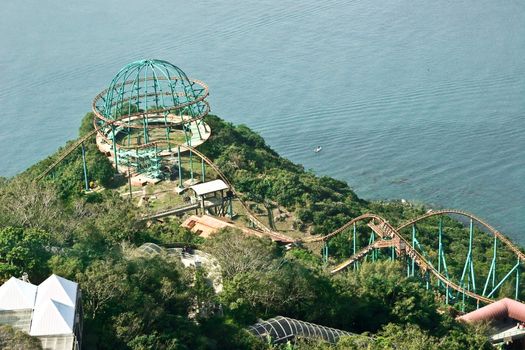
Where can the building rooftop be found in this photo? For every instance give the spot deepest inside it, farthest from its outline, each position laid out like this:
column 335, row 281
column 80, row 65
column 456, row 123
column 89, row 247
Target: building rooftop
column 504, row 308
column 53, row 303
column 209, row 187
column 59, row 289
column 52, row 318
column 207, row 225
column 16, row 294
column 281, row 329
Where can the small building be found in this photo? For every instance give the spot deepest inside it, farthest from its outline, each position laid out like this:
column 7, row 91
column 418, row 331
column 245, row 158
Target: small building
column 51, row 311
column 507, row 318
column 206, row 225
column 211, row 197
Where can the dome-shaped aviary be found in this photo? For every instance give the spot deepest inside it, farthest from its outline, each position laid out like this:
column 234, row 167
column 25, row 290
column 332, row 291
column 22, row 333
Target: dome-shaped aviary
column 151, row 85
column 149, row 108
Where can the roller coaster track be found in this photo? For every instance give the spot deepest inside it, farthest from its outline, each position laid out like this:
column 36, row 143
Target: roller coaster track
column 492, row 230
column 381, row 226
column 250, row 215
column 208, row 161
column 356, row 257
column 341, row 229
column 64, row 154
column 385, row 230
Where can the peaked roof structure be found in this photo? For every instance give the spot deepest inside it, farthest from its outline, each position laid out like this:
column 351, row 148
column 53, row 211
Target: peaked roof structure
column 16, row 294
column 58, row 289
column 53, row 303
column 52, row 317
column 504, row 308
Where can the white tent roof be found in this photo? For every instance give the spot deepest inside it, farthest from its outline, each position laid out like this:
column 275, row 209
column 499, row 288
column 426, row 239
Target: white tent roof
column 51, row 317
column 16, row 294
column 209, row 187
column 53, row 303
column 58, row 289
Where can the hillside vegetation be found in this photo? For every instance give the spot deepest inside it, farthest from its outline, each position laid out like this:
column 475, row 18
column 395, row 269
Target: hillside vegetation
column 132, row 301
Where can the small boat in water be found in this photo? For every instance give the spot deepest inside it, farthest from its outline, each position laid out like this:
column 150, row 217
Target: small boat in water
column 318, row 149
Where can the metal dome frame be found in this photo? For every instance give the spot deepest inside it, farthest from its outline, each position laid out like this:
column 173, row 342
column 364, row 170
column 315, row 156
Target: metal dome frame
column 143, row 96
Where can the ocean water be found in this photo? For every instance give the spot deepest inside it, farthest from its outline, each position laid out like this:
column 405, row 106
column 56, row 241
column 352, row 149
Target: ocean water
column 409, row 99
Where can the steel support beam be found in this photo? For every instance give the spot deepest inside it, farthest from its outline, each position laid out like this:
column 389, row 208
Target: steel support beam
column 354, row 240
column 504, row 279
column 84, row 166
column 180, row 166
column 203, row 170
column 517, row 280
column 492, row 271
column 413, row 245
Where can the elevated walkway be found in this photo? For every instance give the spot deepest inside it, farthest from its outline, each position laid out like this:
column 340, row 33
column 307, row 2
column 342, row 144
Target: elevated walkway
column 173, row 211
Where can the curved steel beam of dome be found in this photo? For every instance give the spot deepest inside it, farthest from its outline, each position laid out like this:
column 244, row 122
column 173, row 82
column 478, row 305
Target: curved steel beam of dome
column 161, row 85
column 199, row 97
column 134, row 87
column 160, row 92
column 118, row 122
column 113, row 86
column 103, row 118
column 172, row 87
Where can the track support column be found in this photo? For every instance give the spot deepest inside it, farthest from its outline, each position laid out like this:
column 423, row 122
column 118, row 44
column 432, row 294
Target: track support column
column 114, row 148
column 468, row 269
column 180, row 166
column 356, row 264
column 203, row 170
column 414, row 246
column 440, row 247
column 494, row 254
column 191, row 166
column 230, row 207
column 492, row 270
column 370, row 242
column 517, row 279
column 84, row 167
column 325, row 252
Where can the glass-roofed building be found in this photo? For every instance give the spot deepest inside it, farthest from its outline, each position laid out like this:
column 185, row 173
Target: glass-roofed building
column 51, row 311
column 282, row 329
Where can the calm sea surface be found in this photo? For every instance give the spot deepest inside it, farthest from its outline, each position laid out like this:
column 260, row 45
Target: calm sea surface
column 421, row 100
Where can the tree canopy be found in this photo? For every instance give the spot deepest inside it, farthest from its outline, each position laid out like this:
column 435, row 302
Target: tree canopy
column 134, row 301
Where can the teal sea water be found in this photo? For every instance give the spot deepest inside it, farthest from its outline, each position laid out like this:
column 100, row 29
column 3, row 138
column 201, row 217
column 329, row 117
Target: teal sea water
column 418, row 100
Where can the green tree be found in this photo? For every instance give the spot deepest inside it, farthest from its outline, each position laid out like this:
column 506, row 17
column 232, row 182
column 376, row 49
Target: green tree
column 382, row 293
column 238, row 253
column 27, row 204
column 23, row 250
column 14, row 339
